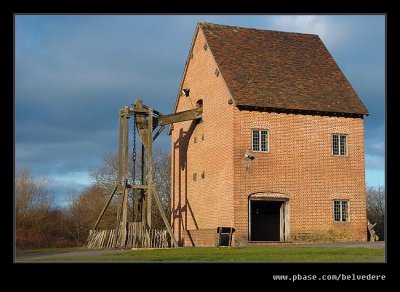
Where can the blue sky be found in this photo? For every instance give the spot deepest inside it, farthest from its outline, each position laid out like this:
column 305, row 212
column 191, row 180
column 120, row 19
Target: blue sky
column 73, row 74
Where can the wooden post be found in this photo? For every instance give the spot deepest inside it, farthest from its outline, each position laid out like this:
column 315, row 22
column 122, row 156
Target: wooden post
column 287, row 221
column 120, row 151
column 149, row 166
column 219, row 236
column 124, row 187
column 281, row 222
column 105, row 207
column 230, row 237
column 119, row 177
column 373, row 235
column 143, row 205
column 158, row 202
column 135, row 205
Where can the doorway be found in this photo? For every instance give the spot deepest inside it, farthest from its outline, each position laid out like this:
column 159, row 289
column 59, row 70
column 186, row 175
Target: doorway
column 267, row 220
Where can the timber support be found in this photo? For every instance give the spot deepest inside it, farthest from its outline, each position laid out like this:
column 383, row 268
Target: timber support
column 145, row 121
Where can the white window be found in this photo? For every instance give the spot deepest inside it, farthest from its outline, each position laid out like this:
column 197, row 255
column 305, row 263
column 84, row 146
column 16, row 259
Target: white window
column 260, row 140
column 339, row 145
column 340, row 210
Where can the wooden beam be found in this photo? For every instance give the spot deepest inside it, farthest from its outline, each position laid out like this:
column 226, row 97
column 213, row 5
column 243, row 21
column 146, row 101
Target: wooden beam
column 119, row 178
column 149, row 167
column 124, row 218
column 180, row 117
column 219, row 236
column 139, row 187
column 120, row 153
column 230, row 237
column 134, row 110
column 158, row 132
column 143, row 203
column 287, row 222
column 158, row 202
column 105, row 207
column 135, row 197
column 156, row 112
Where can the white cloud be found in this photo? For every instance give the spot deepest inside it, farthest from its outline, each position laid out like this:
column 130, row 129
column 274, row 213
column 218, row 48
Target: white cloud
column 68, row 184
column 302, row 23
column 77, row 177
column 332, row 32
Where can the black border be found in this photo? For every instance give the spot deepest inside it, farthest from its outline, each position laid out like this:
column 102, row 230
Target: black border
column 192, row 272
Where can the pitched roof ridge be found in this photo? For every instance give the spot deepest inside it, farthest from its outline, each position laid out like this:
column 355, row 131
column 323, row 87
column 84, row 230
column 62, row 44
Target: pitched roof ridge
column 210, row 24
column 281, row 70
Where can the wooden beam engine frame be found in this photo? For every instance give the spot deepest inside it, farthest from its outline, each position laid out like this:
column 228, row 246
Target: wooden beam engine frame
column 147, row 122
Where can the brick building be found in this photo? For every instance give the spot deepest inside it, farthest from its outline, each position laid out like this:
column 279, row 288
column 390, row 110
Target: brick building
column 279, row 151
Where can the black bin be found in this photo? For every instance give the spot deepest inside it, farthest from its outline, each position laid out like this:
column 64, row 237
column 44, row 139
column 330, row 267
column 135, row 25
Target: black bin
column 225, row 236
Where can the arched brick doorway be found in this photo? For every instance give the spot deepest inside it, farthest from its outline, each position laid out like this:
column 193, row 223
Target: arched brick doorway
column 269, row 217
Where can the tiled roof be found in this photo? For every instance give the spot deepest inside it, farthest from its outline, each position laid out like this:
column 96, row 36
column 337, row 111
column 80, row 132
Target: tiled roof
column 281, row 70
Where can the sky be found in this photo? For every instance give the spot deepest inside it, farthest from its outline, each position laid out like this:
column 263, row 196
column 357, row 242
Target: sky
column 74, row 72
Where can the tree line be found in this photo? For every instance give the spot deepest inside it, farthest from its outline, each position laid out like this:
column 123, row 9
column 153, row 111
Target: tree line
column 39, row 222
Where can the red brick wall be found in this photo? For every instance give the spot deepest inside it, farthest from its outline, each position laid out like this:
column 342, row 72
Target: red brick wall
column 206, row 202
column 298, row 165
column 200, row 237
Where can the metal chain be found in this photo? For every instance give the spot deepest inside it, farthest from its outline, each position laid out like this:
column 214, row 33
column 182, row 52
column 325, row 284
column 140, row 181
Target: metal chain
column 134, row 150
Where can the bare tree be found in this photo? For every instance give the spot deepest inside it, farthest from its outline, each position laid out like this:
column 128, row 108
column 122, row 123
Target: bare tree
column 105, row 176
column 83, row 210
column 33, row 209
column 376, row 209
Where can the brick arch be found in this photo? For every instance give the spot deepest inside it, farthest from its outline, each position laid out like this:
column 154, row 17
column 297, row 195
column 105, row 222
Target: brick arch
column 269, row 195
column 284, row 217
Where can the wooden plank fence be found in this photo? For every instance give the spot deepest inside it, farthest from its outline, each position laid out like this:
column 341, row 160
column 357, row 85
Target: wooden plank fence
column 138, row 236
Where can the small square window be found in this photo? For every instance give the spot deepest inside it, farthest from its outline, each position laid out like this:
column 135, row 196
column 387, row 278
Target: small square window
column 341, row 210
column 260, row 140
column 194, row 176
column 339, row 145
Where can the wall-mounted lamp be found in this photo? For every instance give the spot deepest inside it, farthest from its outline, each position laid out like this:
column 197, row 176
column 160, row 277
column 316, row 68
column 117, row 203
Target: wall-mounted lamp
column 249, row 156
column 186, row 91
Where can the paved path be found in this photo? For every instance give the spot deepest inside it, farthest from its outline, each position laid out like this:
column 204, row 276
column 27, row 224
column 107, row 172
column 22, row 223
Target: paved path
column 375, row 244
column 72, row 254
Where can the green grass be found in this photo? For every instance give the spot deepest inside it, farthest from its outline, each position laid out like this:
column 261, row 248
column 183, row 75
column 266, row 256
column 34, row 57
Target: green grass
column 236, row 254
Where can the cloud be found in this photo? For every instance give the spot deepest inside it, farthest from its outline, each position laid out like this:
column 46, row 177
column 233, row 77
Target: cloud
column 68, row 184
column 73, row 74
column 329, row 31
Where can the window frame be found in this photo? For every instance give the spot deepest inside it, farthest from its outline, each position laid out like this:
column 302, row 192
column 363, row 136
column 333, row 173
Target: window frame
column 341, row 210
column 339, row 146
column 259, row 140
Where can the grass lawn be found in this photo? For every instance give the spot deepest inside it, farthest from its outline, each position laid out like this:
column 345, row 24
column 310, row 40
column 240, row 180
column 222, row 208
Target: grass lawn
column 235, row 254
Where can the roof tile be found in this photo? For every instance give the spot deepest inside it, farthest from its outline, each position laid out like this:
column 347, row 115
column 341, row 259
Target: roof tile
column 284, row 70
